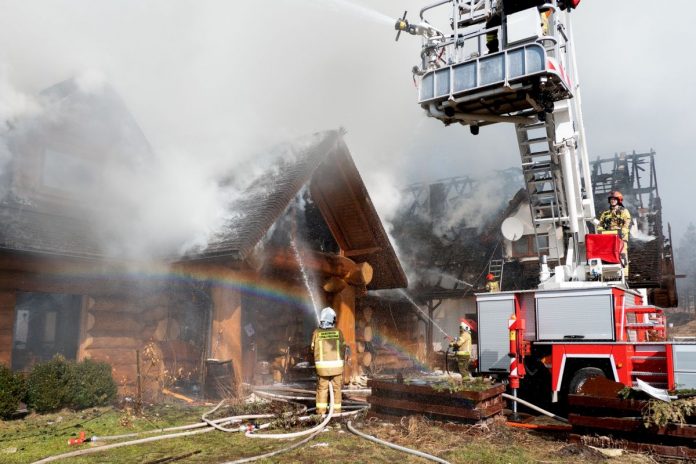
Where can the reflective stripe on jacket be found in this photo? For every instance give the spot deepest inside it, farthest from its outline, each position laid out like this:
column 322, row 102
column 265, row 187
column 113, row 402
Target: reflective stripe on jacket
column 328, row 345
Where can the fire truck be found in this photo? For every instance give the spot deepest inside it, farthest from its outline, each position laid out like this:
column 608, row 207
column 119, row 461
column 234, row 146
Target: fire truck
column 489, row 62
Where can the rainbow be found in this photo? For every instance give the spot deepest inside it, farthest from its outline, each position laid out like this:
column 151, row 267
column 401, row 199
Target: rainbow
column 216, row 275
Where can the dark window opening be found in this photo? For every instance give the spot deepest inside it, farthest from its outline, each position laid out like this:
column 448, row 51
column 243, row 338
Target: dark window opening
column 46, row 324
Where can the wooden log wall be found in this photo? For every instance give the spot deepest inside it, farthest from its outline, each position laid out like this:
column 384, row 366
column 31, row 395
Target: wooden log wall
column 114, row 327
column 386, row 341
column 7, row 317
column 283, row 340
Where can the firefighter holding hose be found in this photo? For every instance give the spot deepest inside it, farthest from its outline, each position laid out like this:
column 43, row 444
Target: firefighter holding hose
column 462, row 349
column 328, row 346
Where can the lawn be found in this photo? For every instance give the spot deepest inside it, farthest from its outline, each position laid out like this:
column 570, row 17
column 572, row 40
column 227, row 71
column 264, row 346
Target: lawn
column 38, row 436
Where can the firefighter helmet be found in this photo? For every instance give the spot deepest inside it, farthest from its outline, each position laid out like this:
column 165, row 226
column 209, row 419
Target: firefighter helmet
column 490, row 277
column 464, row 325
column 327, row 318
column 618, row 195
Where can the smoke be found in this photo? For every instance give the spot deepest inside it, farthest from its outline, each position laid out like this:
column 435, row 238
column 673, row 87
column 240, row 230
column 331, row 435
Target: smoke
column 211, row 85
column 13, row 106
column 476, row 209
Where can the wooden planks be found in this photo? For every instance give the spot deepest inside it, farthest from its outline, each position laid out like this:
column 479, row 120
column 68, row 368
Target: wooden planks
column 623, row 416
column 403, row 399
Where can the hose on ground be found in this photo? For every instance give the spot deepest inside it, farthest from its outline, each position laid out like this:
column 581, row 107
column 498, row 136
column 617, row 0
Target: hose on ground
column 197, row 425
column 304, row 432
column 274, row 453
column 98, row 449
column 536, row 408
column 215, row 424
column 395, row 446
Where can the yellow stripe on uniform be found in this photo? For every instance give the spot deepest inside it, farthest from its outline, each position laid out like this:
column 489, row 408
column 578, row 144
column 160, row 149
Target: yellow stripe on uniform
column 324, row 364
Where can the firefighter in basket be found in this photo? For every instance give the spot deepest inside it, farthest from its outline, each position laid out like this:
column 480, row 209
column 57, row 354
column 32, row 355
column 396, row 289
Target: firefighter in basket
column 617, row 220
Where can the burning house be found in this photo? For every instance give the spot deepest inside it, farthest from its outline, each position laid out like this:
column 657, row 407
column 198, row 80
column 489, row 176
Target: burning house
column 301, row 234
column 454, row 235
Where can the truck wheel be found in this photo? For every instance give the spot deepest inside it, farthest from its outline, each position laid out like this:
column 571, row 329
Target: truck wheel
column 582, row 376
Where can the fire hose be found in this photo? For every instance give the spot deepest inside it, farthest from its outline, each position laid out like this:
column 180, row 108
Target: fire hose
column 447, row 360
column 536, row 408
column 85, row 451
column 394, row 446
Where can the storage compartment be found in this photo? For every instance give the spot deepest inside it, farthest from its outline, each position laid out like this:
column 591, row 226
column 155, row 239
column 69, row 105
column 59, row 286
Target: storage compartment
column 494, row 312
column 684, row 365
column 575, row 315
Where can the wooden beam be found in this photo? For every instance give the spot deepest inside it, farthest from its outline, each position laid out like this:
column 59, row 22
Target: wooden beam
column 362, row 251
column 7, row 315
column 344, row 305
column 327, row 264
column 226, row 330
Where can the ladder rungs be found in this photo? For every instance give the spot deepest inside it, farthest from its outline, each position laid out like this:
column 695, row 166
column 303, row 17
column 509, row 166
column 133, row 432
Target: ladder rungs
column 534, row 140
column 535, row 125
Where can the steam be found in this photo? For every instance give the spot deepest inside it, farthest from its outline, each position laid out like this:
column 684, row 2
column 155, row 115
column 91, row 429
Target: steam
column 474, row 210
column 641, row 236
column 361, row 11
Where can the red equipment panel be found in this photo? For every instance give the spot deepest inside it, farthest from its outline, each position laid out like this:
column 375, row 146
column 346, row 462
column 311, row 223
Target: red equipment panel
column 606, row 247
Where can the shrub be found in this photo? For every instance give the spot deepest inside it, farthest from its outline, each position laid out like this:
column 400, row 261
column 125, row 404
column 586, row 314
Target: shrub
column 91, row 384
column 12, row 391
column 48, row 385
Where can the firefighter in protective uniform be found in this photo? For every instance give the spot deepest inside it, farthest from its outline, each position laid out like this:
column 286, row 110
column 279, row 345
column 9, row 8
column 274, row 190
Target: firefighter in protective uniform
column 617, row 220
column 328, row 347
column 462, row 349
column 492, row 285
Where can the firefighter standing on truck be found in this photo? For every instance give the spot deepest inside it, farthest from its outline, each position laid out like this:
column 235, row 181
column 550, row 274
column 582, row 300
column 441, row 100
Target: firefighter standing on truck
column 617, row 220
column 462, row 349
column 492, row 285
column 328, row 347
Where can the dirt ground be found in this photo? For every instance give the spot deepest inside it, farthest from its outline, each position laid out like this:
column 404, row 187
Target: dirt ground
column 38, row 436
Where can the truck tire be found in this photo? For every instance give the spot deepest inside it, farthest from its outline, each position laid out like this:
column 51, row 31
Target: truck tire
column 582, row 376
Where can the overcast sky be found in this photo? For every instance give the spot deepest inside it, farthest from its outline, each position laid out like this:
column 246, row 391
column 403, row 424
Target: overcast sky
column 222, row 79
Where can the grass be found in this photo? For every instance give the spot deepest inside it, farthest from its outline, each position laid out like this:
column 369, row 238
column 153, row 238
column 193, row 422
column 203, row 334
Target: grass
column 39, row 436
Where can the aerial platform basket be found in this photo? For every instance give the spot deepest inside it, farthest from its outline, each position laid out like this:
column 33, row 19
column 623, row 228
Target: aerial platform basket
column 494, row 84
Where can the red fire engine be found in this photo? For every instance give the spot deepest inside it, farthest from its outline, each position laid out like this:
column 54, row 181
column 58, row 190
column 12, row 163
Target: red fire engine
column 514, row 62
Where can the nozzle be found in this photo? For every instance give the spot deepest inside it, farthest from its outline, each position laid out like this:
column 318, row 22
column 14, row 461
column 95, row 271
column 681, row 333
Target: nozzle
column 401, row 25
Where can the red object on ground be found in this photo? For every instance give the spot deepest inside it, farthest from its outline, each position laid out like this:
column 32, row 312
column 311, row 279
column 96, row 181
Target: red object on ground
column 606, row 247
column 77, row 441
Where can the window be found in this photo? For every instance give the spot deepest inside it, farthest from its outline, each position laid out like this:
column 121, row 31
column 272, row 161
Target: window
column 527, row 246
column 46, row 324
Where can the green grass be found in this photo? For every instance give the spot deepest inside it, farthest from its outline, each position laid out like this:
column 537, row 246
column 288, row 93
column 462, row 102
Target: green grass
column 39, row 436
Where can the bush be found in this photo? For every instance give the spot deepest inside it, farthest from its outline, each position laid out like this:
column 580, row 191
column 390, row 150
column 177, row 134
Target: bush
column 91, row 385
column 12, row 391
column 48, row 385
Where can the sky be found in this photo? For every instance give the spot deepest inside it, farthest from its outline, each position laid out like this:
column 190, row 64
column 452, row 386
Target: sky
column 214, row 82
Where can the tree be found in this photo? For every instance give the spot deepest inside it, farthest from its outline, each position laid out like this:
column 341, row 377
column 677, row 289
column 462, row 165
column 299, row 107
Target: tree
column 685, row 260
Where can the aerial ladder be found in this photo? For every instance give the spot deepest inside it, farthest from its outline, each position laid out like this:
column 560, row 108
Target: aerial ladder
column 514, row 62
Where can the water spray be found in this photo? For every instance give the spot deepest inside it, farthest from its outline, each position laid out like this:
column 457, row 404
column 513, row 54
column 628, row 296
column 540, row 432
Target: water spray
column 403, row 292
column 305, row 277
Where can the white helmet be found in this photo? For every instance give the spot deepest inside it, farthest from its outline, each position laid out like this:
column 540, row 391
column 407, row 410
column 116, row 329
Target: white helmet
column 327, row 318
